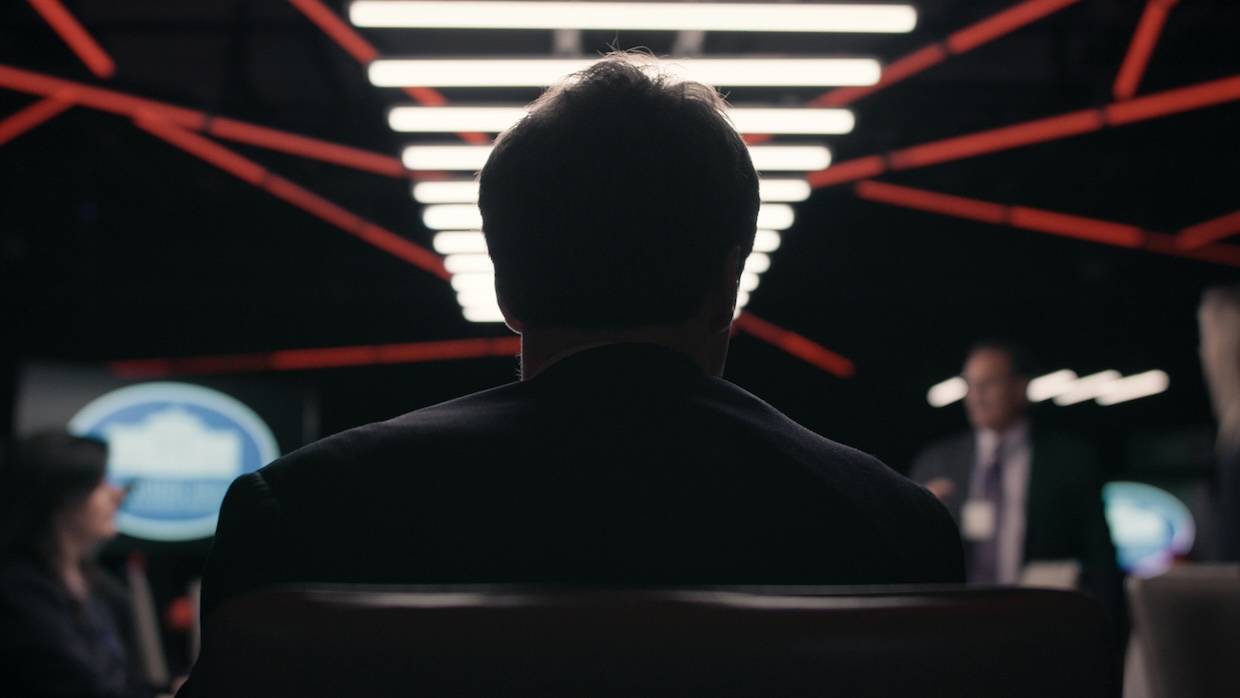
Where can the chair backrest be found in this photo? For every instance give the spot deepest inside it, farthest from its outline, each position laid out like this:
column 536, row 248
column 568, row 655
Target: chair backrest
column 1187, row 623
column 802, row 642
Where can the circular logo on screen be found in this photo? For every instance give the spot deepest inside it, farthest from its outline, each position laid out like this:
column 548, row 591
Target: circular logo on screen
column 178, row 447
column 1149, row 526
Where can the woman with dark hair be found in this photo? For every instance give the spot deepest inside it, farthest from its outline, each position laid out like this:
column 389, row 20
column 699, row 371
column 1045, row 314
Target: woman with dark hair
column 61, row 618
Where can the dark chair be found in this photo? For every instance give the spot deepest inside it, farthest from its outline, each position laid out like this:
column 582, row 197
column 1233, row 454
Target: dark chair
column 754, row 642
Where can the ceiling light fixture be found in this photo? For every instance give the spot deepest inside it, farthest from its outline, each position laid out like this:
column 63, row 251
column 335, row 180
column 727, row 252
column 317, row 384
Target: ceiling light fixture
column 1051, row 385
column 471, row 158
column 1088, row 388
column 465, row 191
column 946, row 392
column 659, row 16
column 1135, row 386
column 765, row 120
column 541, row 72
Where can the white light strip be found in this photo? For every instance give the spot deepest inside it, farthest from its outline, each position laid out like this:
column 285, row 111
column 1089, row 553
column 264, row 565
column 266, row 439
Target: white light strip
column 1051, row 385
column 541, row 72
column 466, row 191
column 464, row 282
column 766, row 241
column 775, row 216
column 947, row 392
column 476, row 296
column 1135, row 386
column 789, row 120
column 789, row 158
column 658, row 16
column 453, row 158
column 792, row 120
column 460, row 242
column 482, row 313
column 448, row 192
column 1087, row 388
column 468, row 263
column 452, row 217
column 453, row 119
column 749, row 281
column 471, row 158
column 783, row 189
column 757, row 263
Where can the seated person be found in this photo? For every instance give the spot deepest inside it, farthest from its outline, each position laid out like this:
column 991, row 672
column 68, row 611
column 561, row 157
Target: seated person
column 618, row 214
column 63, row 623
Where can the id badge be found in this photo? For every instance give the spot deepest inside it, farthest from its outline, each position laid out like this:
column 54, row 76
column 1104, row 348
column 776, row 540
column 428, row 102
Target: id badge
column 977, row 520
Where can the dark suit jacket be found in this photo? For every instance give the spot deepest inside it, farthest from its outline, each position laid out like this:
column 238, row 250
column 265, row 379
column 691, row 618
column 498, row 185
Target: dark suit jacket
column 1063, row 510
column 622, row 465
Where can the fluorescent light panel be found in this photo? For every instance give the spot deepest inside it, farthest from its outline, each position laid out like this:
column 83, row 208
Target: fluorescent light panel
column 766, row 241
column 946, row 392
column 775, row 216
column 452, row 217
column 466, row 191
column 540, row 72
column 471, row 158
column 460, row 242
column 783, row 189
column 659, row 16
column 1051, row 385
column 791, row 120
column 1087, row 388
column 1135, row 386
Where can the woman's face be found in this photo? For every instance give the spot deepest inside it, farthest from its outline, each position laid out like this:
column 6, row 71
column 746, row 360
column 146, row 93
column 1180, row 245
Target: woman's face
column 92, row 520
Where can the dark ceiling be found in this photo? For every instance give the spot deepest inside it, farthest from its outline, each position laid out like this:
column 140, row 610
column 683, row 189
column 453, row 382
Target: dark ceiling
column 114, row 244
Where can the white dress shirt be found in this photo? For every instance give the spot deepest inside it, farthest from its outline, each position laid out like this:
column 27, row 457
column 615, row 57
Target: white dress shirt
column 1017, row 455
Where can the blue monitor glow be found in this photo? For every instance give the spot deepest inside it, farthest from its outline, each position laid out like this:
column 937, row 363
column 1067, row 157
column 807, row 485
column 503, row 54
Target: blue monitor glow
column 1150, row 526
column 177, row 445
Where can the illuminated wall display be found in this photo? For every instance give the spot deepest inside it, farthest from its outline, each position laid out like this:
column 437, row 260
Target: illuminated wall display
column 1149, row 526
column 179, row 446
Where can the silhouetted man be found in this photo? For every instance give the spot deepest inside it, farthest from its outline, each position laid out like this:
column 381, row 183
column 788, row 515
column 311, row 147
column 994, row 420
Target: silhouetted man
column 619, row 214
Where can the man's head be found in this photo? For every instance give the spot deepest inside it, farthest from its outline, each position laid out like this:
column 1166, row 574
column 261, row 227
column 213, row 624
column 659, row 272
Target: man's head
column 998, row 377
column 617, row 201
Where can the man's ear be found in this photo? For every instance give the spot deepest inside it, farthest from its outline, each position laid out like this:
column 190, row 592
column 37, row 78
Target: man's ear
column 723, row 292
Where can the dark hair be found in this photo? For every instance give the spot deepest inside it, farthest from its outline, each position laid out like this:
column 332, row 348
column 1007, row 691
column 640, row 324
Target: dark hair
column 39, row 475
column 616, row 200
column 1020, row 360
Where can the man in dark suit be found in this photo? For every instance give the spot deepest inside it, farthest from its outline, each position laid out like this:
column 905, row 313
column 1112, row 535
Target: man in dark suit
column 1019, row 492
column 618, row 215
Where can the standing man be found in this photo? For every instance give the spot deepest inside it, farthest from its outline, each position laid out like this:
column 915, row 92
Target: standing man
column 1019, row 492
column 618, row 214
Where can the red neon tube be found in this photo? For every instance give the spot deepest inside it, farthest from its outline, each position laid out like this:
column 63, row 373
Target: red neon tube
column 1198, row 96
column 1205, row 233
column 1003, row 23
column 1141, row 47
column 933, row 202
column 327, row 357
column 31, row 117
column 76, row 37
column 796, row 345
column 231, row 129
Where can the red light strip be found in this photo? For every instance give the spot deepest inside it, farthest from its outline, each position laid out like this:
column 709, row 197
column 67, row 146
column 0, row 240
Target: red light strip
column 76, row 37
column 966, row 39
column 271, row 139
column 328, row 357
column 32, row 116
column 1042, row 221
column 363, row 52
column 796, row 345
column 1039, row 131
column 304, row 199
column 1214, row 229
column 1142, row 46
